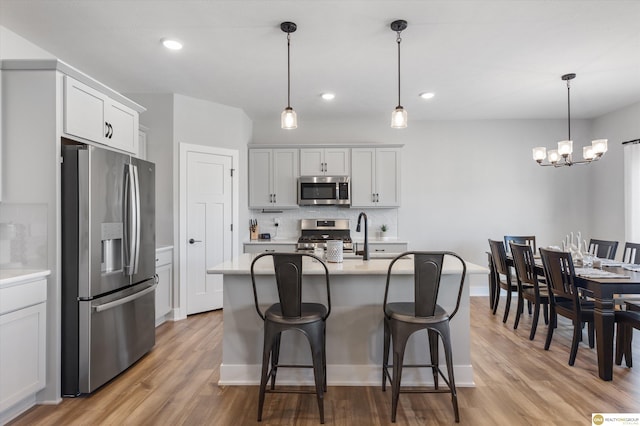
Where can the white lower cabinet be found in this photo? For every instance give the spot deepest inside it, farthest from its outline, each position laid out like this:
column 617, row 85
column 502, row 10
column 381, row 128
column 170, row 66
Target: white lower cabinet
column 23, row 339
column 164, row 290
column 269, row 248
column 387, row 247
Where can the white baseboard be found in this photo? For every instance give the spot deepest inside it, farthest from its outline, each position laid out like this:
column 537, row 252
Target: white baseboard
column 339, row 375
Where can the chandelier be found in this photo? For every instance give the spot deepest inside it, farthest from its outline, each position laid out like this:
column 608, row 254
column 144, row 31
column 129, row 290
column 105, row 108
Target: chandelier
column 562, row 156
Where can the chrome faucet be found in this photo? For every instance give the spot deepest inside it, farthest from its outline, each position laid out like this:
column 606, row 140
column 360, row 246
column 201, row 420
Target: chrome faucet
column 365, row 250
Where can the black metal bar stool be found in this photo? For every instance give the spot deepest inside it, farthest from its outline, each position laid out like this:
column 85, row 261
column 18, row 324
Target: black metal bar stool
column 402, row 319
column 292, row 314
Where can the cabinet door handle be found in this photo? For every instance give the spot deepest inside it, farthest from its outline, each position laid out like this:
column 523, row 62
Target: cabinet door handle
column 106, row 126
column 110, row 128
column 274, row 198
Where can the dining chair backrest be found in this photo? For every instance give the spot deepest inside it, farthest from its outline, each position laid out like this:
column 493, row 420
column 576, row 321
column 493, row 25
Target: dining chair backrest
column 529, row 240
column 603, row 249
column 559, row 272
column 499, row 257
column 524, row 264
column 427, row 267
column 631, row 253
column 288, row 277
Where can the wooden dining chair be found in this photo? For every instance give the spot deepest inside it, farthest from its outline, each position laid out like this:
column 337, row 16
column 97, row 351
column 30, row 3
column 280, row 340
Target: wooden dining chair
column 499, row 257
column 631, row 253
column 528, row 286
column 604, row 249
column 529, row 240
column 565, row 300
column 627, row 320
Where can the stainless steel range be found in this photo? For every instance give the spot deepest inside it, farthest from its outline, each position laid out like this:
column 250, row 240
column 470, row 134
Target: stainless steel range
column 314, row 233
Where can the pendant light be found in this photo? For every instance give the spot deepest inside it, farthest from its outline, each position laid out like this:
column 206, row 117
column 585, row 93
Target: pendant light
column 399, row 115
column 289, row 120
column 562, row 156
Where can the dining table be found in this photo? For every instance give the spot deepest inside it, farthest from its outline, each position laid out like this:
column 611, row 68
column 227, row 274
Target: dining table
column 614, row 278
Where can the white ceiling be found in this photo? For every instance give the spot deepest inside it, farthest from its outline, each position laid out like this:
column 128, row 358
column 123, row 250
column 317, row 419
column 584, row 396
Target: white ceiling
column 483, row 59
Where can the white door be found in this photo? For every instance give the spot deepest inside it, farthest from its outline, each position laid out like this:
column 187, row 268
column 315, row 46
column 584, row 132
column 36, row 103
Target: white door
column 209, row 227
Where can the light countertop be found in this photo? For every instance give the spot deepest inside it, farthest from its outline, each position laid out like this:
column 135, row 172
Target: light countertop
column 241, row 265
column 9, row 277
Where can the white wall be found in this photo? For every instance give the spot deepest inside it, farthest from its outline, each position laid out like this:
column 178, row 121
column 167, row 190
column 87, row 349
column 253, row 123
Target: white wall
column 606, row 201
column 158, row 118
column 13, row 46
column 466, row 181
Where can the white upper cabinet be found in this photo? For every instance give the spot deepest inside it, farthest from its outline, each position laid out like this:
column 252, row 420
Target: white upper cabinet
column 92, row 115
column 325, row 161
column 273, row 178
column 375, row 177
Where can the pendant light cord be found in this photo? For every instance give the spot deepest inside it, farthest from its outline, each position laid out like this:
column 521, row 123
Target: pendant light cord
column 288, row 70
column 569, row 109
column 398, row 40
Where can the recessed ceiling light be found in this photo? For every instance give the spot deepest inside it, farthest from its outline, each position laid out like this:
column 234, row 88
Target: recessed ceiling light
column 171, row 44
column 328, row 96
column 427, row 95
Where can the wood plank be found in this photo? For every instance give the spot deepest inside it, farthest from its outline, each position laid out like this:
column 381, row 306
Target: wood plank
column 517, row 382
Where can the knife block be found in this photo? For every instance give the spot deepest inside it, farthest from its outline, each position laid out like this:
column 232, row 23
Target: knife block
column 253, row 233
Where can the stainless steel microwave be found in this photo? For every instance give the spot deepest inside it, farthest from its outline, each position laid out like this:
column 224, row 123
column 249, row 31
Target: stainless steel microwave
column 324, row 190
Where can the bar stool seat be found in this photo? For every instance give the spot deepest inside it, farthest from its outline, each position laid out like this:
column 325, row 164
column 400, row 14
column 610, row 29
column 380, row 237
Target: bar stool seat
column 310, row 312
column 405, row 311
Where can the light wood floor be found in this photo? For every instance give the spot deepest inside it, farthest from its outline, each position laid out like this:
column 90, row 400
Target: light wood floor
column 517, row 383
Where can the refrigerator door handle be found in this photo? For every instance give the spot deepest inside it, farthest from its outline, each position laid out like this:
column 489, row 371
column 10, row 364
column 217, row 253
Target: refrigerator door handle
column 136, row 234
column 130, row 218
column 116, row 303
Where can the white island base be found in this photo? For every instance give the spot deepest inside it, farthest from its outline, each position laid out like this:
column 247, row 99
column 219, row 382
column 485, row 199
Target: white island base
column 354, row 328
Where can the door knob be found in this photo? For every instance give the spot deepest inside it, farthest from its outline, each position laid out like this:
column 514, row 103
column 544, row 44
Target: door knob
column 191, row 241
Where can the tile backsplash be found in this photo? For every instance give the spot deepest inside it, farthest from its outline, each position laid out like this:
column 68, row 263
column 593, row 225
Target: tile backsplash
column 289, row 220
column 23, row 236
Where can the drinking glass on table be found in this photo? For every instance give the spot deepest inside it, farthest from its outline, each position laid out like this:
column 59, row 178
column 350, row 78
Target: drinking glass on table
column 587, row 260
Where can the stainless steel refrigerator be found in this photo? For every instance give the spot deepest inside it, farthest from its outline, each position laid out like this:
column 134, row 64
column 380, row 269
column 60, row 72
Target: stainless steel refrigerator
column 108, row 265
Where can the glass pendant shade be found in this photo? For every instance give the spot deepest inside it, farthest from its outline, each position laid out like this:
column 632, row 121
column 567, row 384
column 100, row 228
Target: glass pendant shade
column 588, row 153
column 554, row 156
column 539, row 153
column 289, row 119
column 399, row 118
column 599, row 146
column 565, row 148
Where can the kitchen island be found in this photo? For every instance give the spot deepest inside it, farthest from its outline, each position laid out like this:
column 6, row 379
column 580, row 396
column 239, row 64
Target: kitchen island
column 354, row 328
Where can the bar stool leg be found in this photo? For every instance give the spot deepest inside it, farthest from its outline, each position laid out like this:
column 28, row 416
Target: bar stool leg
column 433, row 349
column 385, row 354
